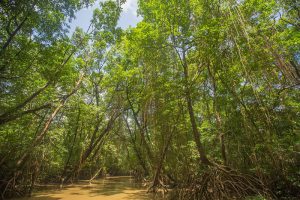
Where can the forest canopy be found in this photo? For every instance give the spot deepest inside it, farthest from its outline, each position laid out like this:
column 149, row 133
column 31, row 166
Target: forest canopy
column 201, row 96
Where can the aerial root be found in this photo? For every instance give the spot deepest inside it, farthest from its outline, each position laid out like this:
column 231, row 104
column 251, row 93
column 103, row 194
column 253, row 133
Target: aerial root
column 220, row 182
column 9, row 189
column 159, row 186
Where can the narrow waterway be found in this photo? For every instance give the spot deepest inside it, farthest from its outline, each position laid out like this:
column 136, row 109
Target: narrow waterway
column 111, row 188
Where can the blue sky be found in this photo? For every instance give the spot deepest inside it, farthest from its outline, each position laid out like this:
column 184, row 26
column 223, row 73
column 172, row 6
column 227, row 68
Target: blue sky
column 128, row 16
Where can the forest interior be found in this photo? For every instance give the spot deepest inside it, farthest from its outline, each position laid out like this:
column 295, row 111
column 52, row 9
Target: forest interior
column 200, row 99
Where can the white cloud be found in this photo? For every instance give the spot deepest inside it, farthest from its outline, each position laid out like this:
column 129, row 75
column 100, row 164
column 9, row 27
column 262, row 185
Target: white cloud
column 130, row 7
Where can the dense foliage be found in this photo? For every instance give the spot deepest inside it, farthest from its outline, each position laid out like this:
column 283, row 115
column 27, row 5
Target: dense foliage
column 197, row 89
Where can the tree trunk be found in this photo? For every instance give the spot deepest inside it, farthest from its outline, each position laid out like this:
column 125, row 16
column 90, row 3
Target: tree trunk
column 64, row 173
column 95, row 175
column 91, row 147
column 136, row 150
column 11, row 113
column 156, row 180
column 4, row 120
column 142, row 131
column 217, row 115
column 196, row 133
column 12, row 35
column 44, row 131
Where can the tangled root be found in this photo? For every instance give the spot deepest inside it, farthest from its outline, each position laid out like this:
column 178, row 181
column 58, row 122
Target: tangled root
column 160, row 186
column 220, row 182
column 10, row 189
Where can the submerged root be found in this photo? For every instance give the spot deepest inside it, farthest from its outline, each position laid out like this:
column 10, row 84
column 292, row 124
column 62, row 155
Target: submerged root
column 220, row 182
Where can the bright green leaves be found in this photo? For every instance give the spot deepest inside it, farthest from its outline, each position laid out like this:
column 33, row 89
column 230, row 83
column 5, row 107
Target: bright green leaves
column 106, row 17
column 79, row 39
column 228, row 62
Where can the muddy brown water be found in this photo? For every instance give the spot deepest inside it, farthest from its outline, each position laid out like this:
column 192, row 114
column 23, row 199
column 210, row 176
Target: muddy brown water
column 111, row 188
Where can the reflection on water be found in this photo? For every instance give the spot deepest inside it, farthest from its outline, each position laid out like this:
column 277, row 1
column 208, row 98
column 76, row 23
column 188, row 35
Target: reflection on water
column 112, row 188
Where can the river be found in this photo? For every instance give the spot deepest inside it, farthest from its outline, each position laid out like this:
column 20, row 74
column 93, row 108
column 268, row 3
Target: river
column 111, row 188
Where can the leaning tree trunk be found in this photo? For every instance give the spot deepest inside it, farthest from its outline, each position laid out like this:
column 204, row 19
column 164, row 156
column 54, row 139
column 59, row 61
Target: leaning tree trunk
column 157, row 179
column 136, row 150
column 92, row 146
column 188, row 98
column 44, row 131
column 141, row 129
column 10, row 181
